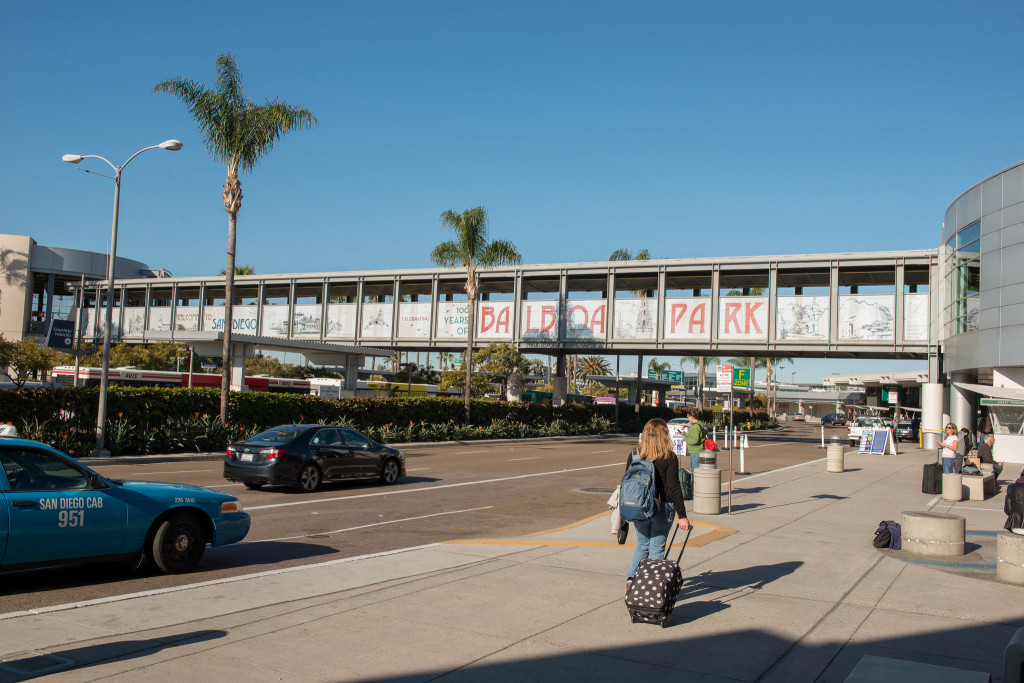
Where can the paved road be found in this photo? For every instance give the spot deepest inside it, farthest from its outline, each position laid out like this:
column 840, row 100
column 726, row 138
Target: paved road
column 451, row 492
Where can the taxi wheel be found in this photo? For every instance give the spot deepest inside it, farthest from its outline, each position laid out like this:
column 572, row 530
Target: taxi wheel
column 178, row 544
column 309, row 479
column 390, row 471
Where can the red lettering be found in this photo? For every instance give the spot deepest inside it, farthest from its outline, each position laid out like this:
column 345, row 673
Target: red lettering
column 530, row 329
column 501, row 324
column 751, row 307
column 486, row 317
column 547, row 317
column 678, row 311
column 697, row 318
column 732, row 309
column 597, row 322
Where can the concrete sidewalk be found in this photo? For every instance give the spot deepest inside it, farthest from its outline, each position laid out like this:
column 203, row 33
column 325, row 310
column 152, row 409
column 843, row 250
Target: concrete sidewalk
column 787, row 588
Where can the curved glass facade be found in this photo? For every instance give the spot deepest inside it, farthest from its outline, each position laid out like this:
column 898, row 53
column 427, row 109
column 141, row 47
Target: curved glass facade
column 983, row 275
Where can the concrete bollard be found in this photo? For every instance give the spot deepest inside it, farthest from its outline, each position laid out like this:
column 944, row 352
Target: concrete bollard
column 952, row 486
column 1010, row 554
column 834, row 456
column 933, row 533
column 707, row 491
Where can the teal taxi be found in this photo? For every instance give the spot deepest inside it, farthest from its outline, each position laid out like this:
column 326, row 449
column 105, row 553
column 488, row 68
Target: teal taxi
column 56, row 510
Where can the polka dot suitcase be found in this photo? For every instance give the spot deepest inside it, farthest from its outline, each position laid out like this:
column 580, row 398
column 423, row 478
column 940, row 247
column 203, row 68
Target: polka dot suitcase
column 655, row 587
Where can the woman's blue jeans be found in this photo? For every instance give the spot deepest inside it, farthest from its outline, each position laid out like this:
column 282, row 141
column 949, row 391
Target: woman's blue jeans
column 651, row 536
column 948, row 465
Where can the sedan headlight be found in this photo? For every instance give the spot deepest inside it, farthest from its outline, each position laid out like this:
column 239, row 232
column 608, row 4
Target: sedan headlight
column 230, row 506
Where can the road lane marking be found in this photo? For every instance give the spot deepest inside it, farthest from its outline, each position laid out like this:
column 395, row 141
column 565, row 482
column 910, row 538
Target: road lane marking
column 536, row 457
column 172, row 471
column 714, row 533
column 361, row 526
column 467, row 452
column 933, row 501
column 423, row 489
column 212, row 582
column 608, row 451
column 418, row 469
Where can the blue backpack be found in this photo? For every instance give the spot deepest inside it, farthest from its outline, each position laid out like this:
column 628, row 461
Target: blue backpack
column 638, row 495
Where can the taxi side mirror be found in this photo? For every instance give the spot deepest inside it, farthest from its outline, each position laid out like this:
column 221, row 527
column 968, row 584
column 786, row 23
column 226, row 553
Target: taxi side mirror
column 96, row 481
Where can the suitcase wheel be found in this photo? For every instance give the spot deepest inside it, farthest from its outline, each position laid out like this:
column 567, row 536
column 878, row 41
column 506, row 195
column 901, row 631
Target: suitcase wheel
column 664, row 622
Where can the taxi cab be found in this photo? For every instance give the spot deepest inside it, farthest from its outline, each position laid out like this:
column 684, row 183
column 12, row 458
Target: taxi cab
column 54, row 510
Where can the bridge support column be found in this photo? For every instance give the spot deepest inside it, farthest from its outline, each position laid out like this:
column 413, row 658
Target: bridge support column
column 352, row 364
column 932, row 395
column 960, row 412
column 559, row 383
column 237, row 381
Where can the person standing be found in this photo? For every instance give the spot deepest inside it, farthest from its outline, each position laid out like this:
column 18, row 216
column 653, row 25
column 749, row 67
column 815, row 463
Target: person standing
column 651, row 534
column 949, row 449
column 695, row 437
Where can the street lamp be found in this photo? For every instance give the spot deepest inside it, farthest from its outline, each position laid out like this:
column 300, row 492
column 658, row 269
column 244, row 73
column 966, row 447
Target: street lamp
column 408, row 368
column 101, row 416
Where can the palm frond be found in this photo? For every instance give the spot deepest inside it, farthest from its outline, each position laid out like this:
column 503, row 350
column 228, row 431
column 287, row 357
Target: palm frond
column 447, row 255
column 499, row 253
column 621, row 255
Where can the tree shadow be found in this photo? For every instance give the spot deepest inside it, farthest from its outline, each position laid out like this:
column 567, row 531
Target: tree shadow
column 754, row 578
column 36, row 663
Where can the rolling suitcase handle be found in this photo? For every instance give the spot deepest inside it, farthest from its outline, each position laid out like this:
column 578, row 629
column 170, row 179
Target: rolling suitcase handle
column 675, row 529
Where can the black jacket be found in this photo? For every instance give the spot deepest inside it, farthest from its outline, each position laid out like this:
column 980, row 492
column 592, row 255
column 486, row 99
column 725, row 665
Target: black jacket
column 1013, row 506
column 666, row 479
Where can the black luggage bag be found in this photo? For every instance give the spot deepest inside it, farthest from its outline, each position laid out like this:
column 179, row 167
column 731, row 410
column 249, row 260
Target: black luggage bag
column 652, row 595
column 931, row 482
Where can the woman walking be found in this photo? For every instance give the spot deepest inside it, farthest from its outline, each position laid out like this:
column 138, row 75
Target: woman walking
column 651, row 534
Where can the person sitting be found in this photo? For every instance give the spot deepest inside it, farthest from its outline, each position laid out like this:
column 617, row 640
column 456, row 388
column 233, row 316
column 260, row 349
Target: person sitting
column 984, row 456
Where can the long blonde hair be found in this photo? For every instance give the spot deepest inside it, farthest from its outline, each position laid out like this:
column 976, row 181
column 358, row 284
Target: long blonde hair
column 655, row 443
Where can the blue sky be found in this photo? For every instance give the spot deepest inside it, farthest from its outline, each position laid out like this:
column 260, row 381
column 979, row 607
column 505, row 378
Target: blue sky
column 690, row 129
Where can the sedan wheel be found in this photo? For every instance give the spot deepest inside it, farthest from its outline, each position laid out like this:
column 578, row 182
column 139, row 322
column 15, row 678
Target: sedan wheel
column 178, row 544
column 309, row 479
column 390, row 471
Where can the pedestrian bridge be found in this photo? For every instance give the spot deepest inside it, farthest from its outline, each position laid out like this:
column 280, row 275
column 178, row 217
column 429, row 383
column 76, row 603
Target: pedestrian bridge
column 866, row 305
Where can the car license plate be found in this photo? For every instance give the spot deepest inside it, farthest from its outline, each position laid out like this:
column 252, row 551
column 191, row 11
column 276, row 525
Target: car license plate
column 246, row 457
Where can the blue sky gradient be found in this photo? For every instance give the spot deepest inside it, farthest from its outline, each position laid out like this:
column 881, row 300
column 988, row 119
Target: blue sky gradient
column 688, row 128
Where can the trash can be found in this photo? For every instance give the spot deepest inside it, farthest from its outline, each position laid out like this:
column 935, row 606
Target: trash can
column 834, row 455
column 708, row 459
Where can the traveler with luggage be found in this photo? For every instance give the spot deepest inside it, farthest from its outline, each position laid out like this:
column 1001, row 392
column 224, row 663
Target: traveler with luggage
column 949, row 450
column 650, row 495
column 695, row 437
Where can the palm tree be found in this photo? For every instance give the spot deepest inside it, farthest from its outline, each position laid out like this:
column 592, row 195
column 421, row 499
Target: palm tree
column 627, row 255
column 702, row 363
column 595, row 365
column 657, row 368
column 770, row 365
column 241, row 270
column 471, row 250
column 240, row 133
column 445, row 359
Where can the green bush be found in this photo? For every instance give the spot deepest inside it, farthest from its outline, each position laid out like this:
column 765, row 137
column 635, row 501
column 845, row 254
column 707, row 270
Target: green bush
column 143, row 420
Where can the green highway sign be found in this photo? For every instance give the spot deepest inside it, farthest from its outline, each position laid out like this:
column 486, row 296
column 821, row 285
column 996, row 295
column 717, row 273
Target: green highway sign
column 741, row 378
column 667, row 375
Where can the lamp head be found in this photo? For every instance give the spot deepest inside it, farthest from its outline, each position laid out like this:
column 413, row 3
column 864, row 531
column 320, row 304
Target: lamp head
column 173, row 145
column 72, row 158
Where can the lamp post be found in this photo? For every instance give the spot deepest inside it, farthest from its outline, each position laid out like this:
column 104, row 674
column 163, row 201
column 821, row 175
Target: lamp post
column 408, row 368
column 101, row 414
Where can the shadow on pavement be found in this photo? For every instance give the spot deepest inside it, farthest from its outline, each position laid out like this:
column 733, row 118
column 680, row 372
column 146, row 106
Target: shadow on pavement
column 753, row 578
column 33, row 664
column 742, row 654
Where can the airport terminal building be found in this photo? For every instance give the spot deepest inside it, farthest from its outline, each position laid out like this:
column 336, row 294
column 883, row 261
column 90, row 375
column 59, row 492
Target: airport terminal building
column 958, row 308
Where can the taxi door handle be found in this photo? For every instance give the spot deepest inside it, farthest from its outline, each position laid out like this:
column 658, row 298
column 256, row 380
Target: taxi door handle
column 25, row 503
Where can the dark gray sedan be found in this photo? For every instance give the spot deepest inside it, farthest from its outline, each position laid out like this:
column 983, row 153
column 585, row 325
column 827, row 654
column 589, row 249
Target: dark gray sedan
column 306, row 456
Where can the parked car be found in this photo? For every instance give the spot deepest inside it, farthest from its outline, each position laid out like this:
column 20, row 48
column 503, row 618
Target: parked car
column 795, row 417
column 306, row 456
column 905, row 431
column 57, row 511
column 861, row 423
column 835, row 419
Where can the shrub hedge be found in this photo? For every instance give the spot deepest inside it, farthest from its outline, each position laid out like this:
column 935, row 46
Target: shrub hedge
column 144, row 420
